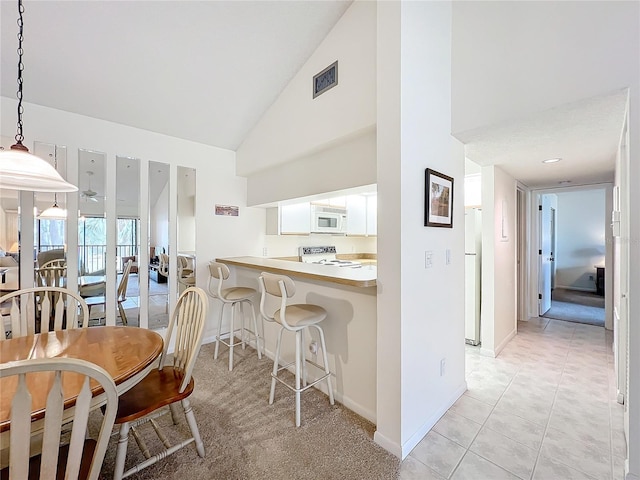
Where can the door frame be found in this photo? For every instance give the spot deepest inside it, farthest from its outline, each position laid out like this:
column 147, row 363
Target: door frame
column 533, row 278
column 523, row 197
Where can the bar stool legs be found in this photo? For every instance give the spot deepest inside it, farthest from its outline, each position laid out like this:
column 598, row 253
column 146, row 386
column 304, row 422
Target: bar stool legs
column 300, row 361
column 237, row 309
column 295, row 318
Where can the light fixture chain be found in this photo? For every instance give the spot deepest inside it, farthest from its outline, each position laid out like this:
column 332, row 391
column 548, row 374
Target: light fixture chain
column 19, row 136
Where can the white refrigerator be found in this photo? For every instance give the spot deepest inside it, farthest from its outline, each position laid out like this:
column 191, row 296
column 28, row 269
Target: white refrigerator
column 473, row 274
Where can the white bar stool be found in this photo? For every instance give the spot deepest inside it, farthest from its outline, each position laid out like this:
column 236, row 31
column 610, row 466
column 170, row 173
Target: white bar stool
column 236, row 297
column 294, row 318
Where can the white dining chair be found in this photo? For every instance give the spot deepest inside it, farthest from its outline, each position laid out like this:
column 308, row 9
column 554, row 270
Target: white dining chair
column 52, row 273
column 165, row 386
column 23, row 311
column 294, row 318
column 121, row 294
column 82, row 457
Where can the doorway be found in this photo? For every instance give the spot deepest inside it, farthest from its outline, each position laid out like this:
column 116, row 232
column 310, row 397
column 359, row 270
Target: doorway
column 572, row 256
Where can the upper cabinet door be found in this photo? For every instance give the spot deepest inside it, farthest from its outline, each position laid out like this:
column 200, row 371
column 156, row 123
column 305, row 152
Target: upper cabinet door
column 295, row 219
column 356, row 215
column 372, row 214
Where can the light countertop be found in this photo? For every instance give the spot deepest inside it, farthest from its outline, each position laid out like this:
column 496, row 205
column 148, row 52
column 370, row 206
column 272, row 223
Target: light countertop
column 364, row 276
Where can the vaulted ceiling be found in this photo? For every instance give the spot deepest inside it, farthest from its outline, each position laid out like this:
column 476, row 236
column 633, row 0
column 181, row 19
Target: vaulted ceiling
column 530, row 80
column 204, row 71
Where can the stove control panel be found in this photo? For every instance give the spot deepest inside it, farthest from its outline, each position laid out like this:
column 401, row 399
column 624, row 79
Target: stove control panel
column 317, row 250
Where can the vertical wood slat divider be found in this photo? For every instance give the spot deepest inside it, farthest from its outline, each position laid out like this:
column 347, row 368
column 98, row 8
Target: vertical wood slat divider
column 45, row 314
column 80, row 420
column 15, row 315
column 27, row 313
column 52, row 428
column 20, row 416
column 60, row 310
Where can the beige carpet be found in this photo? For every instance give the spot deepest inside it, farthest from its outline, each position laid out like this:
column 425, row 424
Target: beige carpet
column 246, row 438
column 576, row 306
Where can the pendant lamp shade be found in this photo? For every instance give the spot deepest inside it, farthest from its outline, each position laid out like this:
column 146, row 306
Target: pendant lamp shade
column 20, row 170
column 53, row 213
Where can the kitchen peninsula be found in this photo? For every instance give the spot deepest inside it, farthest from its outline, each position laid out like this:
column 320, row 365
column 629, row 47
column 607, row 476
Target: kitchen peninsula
column 350, row 297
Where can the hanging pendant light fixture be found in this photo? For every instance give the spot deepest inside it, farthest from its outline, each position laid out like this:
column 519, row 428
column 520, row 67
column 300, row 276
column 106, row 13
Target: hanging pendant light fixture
column 20, row 170
column 54, row 212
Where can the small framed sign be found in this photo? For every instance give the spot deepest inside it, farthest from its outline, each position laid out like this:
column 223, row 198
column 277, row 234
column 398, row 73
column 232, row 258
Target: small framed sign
column 227, row 210
column 325, row 80
column 438, row 200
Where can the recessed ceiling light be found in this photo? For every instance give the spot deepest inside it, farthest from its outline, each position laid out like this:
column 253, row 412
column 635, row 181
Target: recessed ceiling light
column 551, row 160
column 564, row 182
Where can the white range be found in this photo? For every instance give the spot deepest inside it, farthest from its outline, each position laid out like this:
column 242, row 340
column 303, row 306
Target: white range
column 325, row 256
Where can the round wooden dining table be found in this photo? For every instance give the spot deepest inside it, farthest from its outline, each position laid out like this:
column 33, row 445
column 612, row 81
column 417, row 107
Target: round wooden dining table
column 126, row 353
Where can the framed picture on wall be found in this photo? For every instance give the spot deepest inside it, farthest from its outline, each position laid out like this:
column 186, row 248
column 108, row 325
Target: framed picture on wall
column 438, row 199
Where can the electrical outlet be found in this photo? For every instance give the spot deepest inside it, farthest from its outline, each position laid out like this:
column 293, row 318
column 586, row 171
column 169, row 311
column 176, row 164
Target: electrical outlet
column 443, row 365
column 264, row 251
column 313, row 348
column 447, row 257
column 590, row 277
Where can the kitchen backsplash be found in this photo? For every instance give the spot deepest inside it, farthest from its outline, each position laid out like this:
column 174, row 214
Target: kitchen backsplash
column 287, row 245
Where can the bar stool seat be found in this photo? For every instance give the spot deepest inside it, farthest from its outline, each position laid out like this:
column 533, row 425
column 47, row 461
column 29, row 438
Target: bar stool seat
column 294, row 318
column 236, row 297
column 302, row 315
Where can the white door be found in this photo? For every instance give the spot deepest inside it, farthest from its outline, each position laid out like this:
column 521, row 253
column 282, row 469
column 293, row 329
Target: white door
column 544, row 254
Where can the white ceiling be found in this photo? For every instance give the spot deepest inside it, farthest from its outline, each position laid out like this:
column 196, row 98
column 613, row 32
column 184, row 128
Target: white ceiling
column 206, row 71
column 199, row 70
column 585, row 135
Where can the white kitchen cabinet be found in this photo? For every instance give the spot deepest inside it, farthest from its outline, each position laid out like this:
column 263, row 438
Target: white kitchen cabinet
column 356, row 215
column 338, row 202
column 372, row 214
column 295, row 219
column 362, row 215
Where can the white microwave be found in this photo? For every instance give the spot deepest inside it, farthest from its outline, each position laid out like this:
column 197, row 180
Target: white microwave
column 328, row 220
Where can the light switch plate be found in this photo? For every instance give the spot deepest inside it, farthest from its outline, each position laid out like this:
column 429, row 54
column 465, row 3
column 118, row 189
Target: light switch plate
column 428, row 259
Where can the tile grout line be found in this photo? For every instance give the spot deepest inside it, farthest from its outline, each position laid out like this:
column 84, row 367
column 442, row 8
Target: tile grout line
column 555, row 396
column 520, row 366
column 483, row 424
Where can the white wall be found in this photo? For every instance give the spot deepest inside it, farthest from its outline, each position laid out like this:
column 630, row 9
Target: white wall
column 345, row 164
column 498, row 318
column 420, row 315
column 159, row 221
column 4, row 232
column 303, row 145
column 216, row 181
column 287, row 245
column 580, row 238
column 297, row 124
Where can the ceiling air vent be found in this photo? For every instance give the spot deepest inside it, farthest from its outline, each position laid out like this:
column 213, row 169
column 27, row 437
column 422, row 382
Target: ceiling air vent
column 325, row 80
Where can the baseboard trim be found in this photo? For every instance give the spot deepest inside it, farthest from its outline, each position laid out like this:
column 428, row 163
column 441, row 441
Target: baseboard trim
column 386, row 443
column 628, row 475
column 495, row 352
column 486, row 352
column 322, row 386
column 410, row 444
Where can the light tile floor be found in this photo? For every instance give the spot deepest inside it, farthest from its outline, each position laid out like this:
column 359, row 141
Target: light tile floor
column 544, row 409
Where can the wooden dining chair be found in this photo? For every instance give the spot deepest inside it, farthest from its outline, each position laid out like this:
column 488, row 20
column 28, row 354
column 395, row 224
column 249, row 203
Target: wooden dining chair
column 82, row 457
column 186, row 275
column 164, row 386
column 52, row 273
column 22, row 312
column 121, row 294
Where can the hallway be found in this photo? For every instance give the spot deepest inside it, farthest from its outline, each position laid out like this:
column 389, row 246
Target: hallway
column 544, row 409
